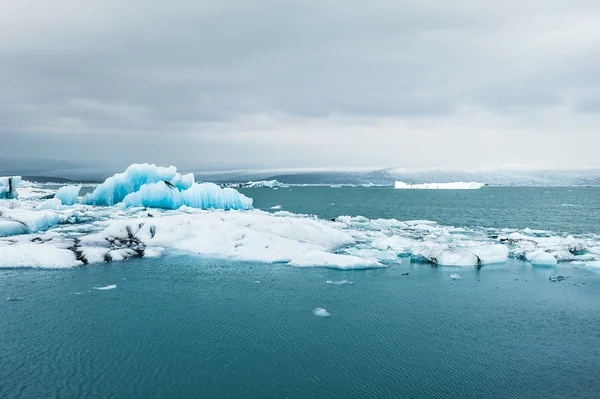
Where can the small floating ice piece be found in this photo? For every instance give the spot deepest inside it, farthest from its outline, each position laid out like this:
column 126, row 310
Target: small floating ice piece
column 276, row 207
column 107, row 287
column 455, row 276
column 83, row 292
column 14, row 299
column 320, row 312
column 341, row 282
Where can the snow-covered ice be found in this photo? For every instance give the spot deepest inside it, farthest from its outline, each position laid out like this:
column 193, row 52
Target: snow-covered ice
column 341, row 282
column 440, row 186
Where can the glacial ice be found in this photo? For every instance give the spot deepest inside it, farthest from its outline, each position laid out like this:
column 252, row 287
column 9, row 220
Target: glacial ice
column 117, row 187
column 68, row 194
column 440, row 186
column 201, row 196
column 164, row 217
column 8, row 187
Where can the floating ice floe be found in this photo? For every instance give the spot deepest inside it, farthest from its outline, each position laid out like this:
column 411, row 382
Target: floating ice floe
column 440, row 186
column 320, row 312
column 341, row 282
column 156, row 212
column 106, row 287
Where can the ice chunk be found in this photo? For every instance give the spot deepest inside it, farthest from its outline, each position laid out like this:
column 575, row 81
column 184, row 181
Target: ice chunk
column 29, row 221
column 276, row 207
column 334, row 261
column 341, row 282
column 541, row 258
column 51, row 204
column 106, row 288
column 211, row 196
column 36, row 255
column 201, row 196
column 116, row 188
column 68, row 194
column 8, row 187
column 320, row 312
column 455, row 276
column 444, row 255
column 440, row 186
column 263, row 184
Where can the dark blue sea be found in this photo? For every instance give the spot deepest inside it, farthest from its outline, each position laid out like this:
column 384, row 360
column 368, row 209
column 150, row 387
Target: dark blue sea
column 179, row 327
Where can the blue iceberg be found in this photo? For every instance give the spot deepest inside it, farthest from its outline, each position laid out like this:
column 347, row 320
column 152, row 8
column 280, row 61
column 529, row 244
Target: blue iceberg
column 201, row 196
column 68, row 194
column 116, row 188
column 158, row 187
column 8, row 187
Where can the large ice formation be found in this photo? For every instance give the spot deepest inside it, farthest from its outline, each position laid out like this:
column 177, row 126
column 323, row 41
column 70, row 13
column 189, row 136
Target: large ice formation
column 157, row 187
column 116, row 188
column 440, row 186
column 8, row 187
column 202, row 196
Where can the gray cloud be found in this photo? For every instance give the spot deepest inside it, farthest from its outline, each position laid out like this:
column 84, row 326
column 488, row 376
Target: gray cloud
column 296, row 84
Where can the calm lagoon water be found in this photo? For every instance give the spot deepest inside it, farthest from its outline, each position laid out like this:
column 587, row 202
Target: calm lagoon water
column 196, row 327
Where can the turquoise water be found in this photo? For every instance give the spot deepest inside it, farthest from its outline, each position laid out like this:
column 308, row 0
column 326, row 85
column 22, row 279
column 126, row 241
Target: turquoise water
column 194, row 327
column 573, row 209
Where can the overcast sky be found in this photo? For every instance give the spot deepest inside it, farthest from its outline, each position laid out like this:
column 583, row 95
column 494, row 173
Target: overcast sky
column 271, row 83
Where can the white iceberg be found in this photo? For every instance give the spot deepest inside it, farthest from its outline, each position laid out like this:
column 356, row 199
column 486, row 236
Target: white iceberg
column 264, row 184
column 440, row 186
column 542, row 258
column 8, row 187
column 52, row 204
column 117, row 187
column 68, row 194
column 444, row 255
column 21, row 221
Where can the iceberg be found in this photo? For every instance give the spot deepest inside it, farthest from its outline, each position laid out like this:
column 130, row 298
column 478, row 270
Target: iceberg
column 117, row 187
column 51, row 204
column 542, row 258
column 200, row 196
column 440, row 186
column 264, row 184
column 21, row 221
column 444, row 255
column 8, row 187
column 68, row 194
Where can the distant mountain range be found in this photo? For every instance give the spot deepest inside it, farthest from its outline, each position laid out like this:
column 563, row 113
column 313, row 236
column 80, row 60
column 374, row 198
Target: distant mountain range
column 387, row 177
column 64, row 171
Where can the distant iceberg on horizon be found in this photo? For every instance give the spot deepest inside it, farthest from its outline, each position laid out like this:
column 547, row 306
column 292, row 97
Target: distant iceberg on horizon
column 440, row 186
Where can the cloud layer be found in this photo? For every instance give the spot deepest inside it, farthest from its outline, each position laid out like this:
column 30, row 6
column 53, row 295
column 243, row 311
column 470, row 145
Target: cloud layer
column 234, row 84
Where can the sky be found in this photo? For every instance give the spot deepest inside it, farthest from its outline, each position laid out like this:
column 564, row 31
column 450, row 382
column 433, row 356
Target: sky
column 233, row 84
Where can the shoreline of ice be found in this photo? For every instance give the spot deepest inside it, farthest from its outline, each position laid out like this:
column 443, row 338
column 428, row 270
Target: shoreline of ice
column 150, row 217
